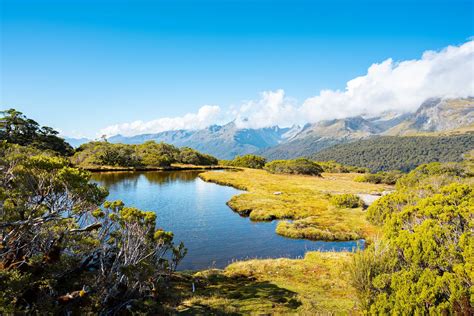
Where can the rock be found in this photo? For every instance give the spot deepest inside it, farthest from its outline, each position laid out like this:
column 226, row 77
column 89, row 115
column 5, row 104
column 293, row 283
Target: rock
column 277, row 193
column 368, row 199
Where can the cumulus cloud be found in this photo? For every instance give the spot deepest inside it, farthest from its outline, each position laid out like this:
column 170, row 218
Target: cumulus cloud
column 399, row 86
column 387, row 86
column 206, row 115
column 273, row 108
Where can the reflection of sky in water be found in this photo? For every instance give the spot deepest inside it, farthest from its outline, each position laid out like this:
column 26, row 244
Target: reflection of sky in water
column 195, row 211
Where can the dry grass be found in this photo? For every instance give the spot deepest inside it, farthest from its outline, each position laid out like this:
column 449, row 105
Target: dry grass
column 317, row 284
column 303, row 199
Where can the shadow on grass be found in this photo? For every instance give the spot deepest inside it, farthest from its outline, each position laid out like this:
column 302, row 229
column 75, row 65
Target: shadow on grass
column 217, row 294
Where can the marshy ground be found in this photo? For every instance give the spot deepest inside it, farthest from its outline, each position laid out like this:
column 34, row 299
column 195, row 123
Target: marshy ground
column 316, row 284
column 302, row 199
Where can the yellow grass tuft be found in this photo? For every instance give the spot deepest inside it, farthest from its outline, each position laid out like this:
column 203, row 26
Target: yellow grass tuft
column 317, row 284
column 303, row 199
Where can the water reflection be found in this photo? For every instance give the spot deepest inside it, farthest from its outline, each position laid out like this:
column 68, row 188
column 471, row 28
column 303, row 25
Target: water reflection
column 197, row 214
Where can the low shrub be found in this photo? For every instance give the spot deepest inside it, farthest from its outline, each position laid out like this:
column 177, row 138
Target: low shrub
column 245, row 161
column 190, row 156
column 385, row 177
column 295, row 166
column 307, row 229
column 346, row 201
column 335, row 167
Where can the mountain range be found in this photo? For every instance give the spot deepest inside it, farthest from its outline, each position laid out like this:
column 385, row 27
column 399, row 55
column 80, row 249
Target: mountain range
column 435, row 115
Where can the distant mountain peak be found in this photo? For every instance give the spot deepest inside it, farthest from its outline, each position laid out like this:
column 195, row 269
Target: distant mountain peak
column 228, row 140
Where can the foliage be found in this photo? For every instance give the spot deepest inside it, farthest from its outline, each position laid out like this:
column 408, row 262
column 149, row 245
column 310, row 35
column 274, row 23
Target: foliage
column 398, row 153
column 425, row 263
column 335, row 167
column 16, row 128
column 245, row 161
column 192, row 157
column 424, row 180
column 346, row 201
column 156, row 154
column 148, row 154
column 386, row 177
column 60, row 252
column 296, row 166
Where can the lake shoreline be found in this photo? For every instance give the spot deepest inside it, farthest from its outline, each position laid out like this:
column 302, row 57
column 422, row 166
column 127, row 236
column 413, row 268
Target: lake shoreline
column 300, row 204
column 97, row 169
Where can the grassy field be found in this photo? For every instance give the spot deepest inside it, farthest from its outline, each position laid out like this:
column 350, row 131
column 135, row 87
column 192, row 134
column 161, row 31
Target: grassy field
column 302, row 199
column 316, row 284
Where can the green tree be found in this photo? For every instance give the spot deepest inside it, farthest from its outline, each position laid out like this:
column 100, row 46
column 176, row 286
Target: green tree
column 61, row 250
column 16, row 128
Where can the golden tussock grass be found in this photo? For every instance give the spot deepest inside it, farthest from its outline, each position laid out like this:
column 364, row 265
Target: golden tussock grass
column 302, row 199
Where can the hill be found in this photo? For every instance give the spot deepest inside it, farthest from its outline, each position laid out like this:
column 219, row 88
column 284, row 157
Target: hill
column 403, row 153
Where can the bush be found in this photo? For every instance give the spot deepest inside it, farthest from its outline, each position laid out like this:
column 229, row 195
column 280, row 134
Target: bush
column 426, row 265
column 385, row 177
column 63, row 252
column 246, row 161
column 156, row 154
column 346, row 201
column 335, row 167
column 295, row 166
column 148, row 154
column 190, row 156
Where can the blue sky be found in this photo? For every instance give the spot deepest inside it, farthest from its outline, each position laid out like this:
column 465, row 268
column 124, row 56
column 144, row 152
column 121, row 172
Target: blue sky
column 80, row 66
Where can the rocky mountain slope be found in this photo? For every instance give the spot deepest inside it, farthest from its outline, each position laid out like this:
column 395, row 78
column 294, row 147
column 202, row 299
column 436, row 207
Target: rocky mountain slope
column 225, row 142
column 433, row 116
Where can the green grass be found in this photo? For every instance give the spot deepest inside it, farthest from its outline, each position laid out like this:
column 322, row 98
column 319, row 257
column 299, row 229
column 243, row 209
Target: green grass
column 316, row 284
column 303, row 199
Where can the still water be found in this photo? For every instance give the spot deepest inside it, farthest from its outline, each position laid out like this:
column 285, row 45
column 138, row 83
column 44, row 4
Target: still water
column 196, row 212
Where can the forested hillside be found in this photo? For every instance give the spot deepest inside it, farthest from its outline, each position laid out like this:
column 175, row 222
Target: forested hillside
column 402, row 153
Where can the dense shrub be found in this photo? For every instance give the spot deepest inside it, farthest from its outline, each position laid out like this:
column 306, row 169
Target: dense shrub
column 385, row 177
column 148, row 154
column 190, row 156
column 295, row 166
column 335, row 167
column 424, row 180
column 64, row 253
column 425, row 264
column 246, row 161
column 346, row 201
column 156, row 154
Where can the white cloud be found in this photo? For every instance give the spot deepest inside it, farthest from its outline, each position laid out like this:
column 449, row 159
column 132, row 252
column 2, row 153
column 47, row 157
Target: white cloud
column 399, row 86
column 387, row 86
column 206, row 115
column 273, row 108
